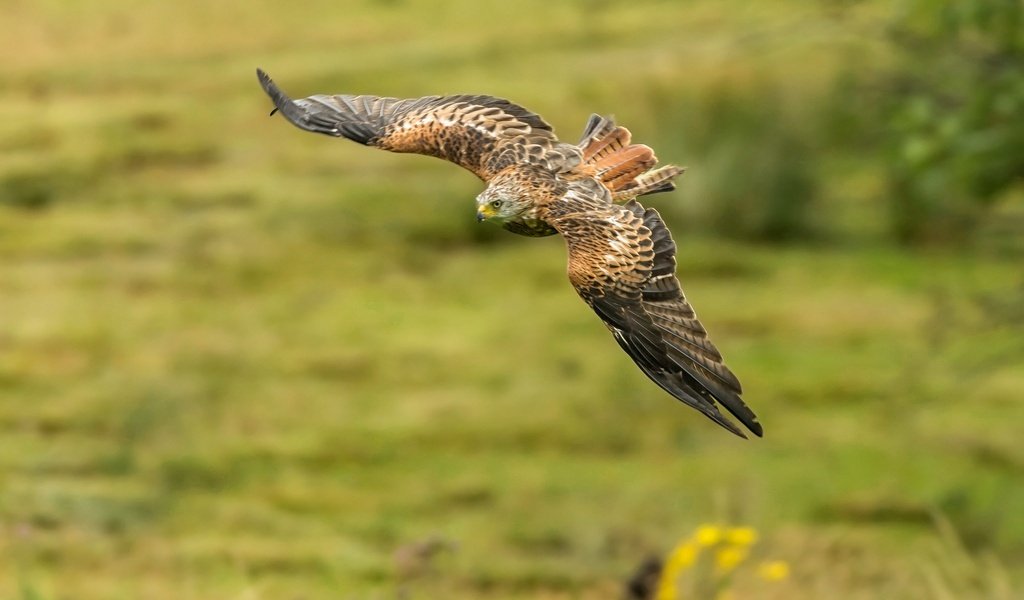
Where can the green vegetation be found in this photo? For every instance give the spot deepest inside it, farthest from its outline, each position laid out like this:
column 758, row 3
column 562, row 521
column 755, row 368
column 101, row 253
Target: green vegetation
column 242, row 361
column 954, row 107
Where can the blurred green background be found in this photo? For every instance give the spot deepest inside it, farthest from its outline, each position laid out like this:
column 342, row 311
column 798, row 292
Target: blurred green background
column 242, row 361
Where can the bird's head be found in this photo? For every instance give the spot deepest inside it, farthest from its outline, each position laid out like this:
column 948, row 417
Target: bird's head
column 500, row 203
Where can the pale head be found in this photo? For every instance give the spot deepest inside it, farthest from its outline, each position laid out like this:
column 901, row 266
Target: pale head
column 502, row 201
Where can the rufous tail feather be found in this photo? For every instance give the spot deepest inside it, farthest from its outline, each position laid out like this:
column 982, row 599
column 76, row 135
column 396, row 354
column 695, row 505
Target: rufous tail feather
column 624, row 168
column 651, row 182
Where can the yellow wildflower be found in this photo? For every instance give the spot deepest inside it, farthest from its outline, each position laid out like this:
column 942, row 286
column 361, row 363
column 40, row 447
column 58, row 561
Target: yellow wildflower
column 731, row 546
column 708, row 535
column 729, row 558
column 682, row 557
column 741, row 536
column 774, row 570
column 667, row 590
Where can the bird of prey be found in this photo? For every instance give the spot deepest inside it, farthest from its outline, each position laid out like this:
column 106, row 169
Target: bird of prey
column 621, row 255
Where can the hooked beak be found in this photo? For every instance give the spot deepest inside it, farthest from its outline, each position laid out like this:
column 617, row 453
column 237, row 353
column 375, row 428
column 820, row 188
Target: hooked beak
column 484, row 212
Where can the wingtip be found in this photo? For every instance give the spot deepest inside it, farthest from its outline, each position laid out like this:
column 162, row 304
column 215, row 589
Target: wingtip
column 752, row 425
column 265, row 81
column 745, row 416
column 754, row 428
column 281, row 101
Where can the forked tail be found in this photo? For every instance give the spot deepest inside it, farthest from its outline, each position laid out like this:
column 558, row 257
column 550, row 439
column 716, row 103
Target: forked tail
column 626, row 169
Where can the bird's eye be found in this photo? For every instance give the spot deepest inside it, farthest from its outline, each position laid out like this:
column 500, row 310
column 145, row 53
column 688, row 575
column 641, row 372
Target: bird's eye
column 496, row 203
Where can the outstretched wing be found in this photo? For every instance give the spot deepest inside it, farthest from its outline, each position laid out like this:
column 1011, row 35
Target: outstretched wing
column 622, row 263
column 481, row 133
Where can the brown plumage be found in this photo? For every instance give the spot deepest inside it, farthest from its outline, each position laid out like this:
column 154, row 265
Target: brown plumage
column 621, row 255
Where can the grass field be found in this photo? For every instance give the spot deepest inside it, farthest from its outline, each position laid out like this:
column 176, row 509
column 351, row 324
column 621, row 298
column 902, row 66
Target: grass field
column 242, row 361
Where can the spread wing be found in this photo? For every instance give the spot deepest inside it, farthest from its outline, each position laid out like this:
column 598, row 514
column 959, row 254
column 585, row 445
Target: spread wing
column 622, row 263
column 481, row 133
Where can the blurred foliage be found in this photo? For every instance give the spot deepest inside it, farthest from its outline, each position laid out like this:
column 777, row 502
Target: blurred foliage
column 942, row 119
column 955, row 108
column 763, row 164
column 38, row 189
column 756, row 171
column 953, row 571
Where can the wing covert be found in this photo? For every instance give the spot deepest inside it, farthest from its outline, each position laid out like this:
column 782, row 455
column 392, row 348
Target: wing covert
column 483, row 134
column 622, row 264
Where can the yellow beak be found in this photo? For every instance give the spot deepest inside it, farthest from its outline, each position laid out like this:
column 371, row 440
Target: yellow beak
column 484, row 212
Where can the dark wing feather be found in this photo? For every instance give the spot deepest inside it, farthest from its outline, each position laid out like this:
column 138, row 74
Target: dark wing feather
column 481, row 133
column 622, row 263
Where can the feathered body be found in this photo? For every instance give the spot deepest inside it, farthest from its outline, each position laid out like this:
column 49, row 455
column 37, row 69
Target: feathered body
column 621, row 255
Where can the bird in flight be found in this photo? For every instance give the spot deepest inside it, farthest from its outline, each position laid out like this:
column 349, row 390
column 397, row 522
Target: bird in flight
column 621, row 255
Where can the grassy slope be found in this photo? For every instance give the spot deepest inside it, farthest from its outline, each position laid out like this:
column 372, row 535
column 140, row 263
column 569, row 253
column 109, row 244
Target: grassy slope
column 241, row 361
